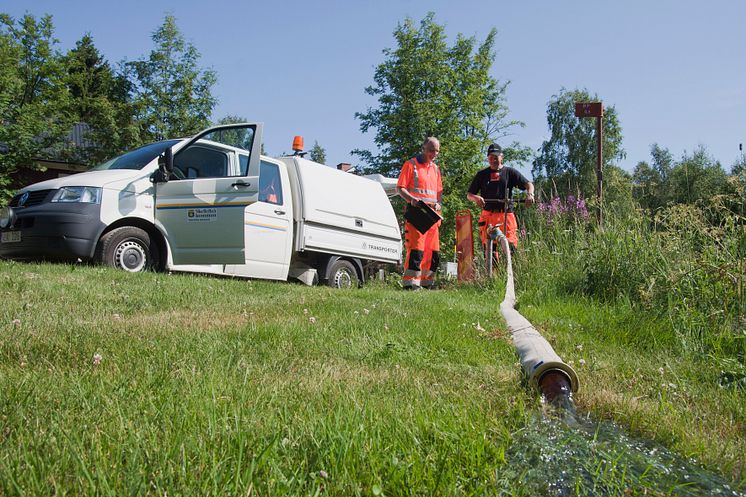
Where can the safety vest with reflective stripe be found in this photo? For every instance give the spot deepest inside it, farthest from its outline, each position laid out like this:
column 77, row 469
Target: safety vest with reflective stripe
column 427, row 187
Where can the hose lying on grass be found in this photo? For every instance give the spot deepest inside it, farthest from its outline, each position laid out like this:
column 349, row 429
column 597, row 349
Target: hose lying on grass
column 543, row 367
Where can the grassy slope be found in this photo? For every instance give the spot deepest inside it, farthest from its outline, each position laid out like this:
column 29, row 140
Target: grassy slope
column 222, row 386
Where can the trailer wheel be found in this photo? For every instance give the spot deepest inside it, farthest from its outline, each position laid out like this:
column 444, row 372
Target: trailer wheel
column 127, row 248
column 342, row 274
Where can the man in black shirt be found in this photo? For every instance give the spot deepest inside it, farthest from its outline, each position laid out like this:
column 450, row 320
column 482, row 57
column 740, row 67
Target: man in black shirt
column 492, row 189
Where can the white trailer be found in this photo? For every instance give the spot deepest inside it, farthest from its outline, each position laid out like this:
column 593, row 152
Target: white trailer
column 209, row 204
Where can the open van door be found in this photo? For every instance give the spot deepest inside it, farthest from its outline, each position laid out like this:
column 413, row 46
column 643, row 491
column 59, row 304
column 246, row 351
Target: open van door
column 202, row 191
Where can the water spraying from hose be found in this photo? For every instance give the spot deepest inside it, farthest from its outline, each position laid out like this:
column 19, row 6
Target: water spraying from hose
column 572, row 454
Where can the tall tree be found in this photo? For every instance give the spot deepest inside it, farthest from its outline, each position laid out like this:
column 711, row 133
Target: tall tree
column 424, row 87
column 172, row 94
column 317, row 153
column 231, row 119
column 646, row 185
column 739, row 167
column 662, row 161
column 567, row 161
column 33, row 96
column 98, row 101
column 696, row 177
column 738, row 172
column 738, row 181
column 650, row 181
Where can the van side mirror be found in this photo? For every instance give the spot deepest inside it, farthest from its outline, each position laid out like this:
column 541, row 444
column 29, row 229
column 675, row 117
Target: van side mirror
column 165, row 166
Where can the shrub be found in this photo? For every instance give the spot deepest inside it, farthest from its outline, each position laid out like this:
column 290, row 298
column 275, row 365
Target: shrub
column 685, row 264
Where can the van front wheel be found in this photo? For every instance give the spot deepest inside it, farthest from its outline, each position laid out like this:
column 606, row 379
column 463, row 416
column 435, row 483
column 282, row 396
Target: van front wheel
column 342, row 274
column 127, row 248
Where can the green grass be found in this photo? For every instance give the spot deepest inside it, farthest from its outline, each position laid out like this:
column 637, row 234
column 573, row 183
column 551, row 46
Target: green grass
column 210, row 385
column 232, row 387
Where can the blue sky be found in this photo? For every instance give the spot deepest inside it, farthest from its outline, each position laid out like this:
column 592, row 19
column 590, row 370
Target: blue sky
column 674, row 70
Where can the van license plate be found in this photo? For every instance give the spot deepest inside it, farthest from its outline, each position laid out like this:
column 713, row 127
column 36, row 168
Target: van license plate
column 10, row 237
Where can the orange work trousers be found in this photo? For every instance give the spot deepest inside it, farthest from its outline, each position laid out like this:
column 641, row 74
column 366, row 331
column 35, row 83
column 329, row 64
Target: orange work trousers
column 423, row 256
column 507, row 224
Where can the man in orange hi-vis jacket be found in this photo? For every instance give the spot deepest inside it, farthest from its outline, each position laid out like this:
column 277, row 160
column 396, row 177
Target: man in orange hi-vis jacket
column 420, row 179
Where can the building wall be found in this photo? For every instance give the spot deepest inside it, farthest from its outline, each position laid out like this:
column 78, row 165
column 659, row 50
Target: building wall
column 44, row 170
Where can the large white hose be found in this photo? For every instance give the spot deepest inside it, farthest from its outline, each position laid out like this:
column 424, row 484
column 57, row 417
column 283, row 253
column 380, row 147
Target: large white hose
column 538, row 358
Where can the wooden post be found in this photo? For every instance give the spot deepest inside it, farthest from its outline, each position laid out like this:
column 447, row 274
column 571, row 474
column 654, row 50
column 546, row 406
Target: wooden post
column 599, row 170
column 464, row 246
column 595, row 109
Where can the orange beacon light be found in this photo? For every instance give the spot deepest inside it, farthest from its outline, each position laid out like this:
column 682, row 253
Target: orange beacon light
column 297, row 143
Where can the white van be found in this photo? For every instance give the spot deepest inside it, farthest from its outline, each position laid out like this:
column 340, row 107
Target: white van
column 209, row 204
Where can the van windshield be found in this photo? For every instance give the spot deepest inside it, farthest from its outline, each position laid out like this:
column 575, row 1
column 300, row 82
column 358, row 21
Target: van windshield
column 138, row 158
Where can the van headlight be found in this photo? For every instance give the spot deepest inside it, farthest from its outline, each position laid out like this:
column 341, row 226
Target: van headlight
column 7, row 216
column 83, row 194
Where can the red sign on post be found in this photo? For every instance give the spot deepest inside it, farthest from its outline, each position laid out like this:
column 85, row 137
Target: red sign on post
column 589, row 109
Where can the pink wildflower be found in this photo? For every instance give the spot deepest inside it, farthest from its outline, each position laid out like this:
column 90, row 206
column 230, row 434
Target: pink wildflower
column 581, row 208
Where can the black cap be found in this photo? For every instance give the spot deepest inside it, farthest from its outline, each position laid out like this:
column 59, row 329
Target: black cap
column 494, row 149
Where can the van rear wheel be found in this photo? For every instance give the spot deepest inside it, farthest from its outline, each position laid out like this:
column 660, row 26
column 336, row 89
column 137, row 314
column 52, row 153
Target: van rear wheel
column 342, row 274
column 127, row 248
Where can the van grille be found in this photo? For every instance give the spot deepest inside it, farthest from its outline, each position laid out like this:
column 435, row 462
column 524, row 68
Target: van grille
column 34, row 198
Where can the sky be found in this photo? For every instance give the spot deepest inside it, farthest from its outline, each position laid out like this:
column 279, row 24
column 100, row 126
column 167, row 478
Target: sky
column 673, row 69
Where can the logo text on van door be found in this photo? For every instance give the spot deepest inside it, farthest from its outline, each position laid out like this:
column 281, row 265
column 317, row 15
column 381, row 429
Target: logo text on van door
column 202, row 215
column 380, row 248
